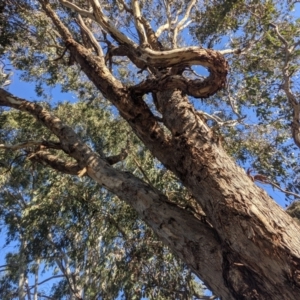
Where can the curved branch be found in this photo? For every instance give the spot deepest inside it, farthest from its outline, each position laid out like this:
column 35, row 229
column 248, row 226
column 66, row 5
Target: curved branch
column 161, row 29
column 183, row 57
column 211, row 59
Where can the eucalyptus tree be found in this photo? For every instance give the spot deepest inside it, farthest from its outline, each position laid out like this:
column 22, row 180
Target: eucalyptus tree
column 136, row 63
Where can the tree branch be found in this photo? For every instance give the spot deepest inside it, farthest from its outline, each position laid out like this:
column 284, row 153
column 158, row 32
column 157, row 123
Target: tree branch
column 32, row 143
column 183, row 57
column 286, row 86
column 47, row 279
column 161, row 29
column 181, row 23
column 131, row 106
column 82, row 12
column 108, row 25
column 91, row 37
column 116, row 158
column 169, row 221
column 55, row 163
column 138, row 25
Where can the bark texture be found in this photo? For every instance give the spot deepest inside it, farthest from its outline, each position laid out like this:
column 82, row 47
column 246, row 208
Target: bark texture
column 247, row 247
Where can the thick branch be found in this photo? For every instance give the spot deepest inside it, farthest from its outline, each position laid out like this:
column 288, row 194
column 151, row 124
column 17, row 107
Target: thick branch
column 196, row 88
column 117, row 158
column 183, row 57
column 131, row 107
column 189, row 238
column 151, row 36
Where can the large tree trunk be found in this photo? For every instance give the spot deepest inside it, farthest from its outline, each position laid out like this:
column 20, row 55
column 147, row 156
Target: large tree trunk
column 246, row 247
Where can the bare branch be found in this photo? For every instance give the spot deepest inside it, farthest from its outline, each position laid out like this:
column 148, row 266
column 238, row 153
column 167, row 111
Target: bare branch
column 233, row 104
column 161, row 29
column 181, row 24
column 47, row 279
column 91, row 37
column 230, row 51
column 108, row 25
column 41, row 114
column 282, row 190
column 137, row 20
column 126, row 7
column 218, row 120
column 282, row 39
column 62, row 29
column 98, row 16
column 185, row 57
column 82, row 12
column 264, row 179
column 286, row 86
column 152, row 38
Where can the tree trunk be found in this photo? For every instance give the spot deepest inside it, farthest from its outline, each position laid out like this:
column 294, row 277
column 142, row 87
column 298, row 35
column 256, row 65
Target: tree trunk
column 246, row 247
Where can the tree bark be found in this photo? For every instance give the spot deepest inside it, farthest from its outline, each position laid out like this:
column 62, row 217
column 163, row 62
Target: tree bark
column 248, row 247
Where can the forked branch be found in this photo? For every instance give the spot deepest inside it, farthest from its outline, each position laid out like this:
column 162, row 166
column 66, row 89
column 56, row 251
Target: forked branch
column 184, row 57
column 183, row 22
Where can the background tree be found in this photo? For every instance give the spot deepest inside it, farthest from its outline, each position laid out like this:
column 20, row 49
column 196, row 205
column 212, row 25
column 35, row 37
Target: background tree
column 178, row 176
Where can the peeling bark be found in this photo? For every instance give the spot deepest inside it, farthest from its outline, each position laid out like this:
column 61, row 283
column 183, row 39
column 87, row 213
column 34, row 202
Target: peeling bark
column 183, row 232
column 252, row 248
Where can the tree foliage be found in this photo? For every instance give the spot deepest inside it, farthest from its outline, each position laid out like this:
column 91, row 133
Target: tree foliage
column 130, row 190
